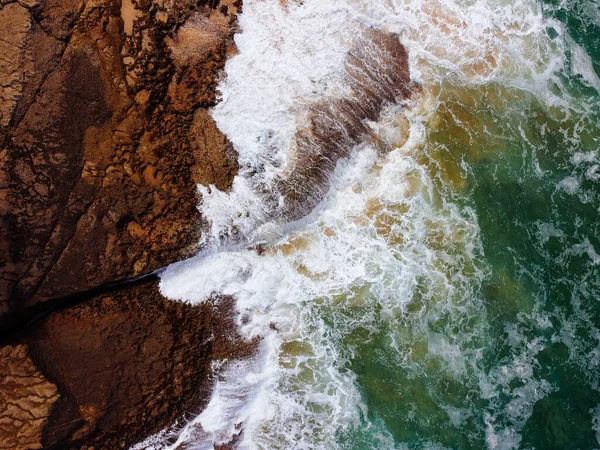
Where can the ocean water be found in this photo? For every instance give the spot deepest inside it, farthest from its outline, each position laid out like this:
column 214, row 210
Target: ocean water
column 445, row 291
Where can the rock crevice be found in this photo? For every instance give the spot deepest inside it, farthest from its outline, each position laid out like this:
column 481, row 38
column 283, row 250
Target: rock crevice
column 103, row 140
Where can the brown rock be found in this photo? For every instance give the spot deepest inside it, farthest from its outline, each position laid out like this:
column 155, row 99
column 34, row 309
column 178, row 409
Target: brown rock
column 127, row 364
column 213, row 153
column 101, row 144
column 377, row 73
column 26, row 398
column 15, row 25
column 104, row 134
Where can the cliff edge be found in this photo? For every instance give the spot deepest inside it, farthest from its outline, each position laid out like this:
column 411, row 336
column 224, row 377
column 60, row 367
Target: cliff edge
column 104, row 134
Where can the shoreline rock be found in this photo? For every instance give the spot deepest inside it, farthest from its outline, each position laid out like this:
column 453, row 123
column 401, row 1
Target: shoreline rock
column 26, row 397
column 104, row 135
column 126, row 365
column 99, row 141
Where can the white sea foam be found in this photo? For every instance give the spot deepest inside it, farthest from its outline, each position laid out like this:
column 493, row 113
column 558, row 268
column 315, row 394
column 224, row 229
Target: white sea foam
column 582, row 65
column 382, row 235
column 596, row 421
column 570, row 185
column 290, row 56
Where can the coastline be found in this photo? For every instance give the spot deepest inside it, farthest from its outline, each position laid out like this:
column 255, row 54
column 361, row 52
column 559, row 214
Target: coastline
column 104, row 136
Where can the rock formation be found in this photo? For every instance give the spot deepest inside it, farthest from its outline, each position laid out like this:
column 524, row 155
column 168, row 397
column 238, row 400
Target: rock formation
column 376, row 75
column 104, row 134
column 102, row 140
column 26, row 398
column 126, row 363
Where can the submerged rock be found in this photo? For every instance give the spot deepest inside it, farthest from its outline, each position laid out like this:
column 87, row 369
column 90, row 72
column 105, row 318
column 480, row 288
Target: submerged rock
column 376, row 75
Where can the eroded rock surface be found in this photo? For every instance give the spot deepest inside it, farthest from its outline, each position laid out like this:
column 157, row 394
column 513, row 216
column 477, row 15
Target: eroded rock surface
column 127, row 364
column 104, row 134
column 103, row 137
column 26, row 398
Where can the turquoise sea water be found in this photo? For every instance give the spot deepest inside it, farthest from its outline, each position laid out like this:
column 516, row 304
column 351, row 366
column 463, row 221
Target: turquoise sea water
column 529, row 328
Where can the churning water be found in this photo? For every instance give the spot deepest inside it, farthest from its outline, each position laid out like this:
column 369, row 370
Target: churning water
column 431, row 267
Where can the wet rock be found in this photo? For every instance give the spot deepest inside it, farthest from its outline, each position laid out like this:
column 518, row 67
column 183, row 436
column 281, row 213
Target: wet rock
column 127, row 364
column 377, row 75
column 103, row 137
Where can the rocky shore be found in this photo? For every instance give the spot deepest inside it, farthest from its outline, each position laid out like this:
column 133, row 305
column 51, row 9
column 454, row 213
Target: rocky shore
column 112, row 370
column 104, row 134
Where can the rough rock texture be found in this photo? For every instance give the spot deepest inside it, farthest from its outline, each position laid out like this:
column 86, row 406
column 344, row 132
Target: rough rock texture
column 377, row 75
column 127, row 364
column 104, row 134
column 26, row 398
column 103, row 137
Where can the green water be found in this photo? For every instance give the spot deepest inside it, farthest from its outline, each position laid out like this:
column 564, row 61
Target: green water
column 526, row 335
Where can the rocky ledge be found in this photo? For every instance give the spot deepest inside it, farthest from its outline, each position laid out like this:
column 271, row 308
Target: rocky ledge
column 103, row 137
column 104, row 134
column 111, row 371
